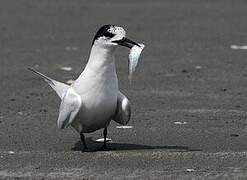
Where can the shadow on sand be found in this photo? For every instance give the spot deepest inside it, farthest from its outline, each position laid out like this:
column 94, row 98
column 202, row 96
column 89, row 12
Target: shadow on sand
column 95, row 146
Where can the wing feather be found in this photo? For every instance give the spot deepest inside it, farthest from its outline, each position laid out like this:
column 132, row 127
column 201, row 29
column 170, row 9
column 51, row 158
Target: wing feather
column 69, row 107
column 123, row 111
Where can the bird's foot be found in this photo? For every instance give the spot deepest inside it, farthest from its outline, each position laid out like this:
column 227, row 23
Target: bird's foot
column 104, row 148
column 85, row 148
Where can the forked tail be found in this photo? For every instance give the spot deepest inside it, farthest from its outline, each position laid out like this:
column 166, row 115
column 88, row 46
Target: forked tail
column 59, row 87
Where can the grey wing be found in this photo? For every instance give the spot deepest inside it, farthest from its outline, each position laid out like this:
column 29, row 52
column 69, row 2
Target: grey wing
column 123, row 111
column 70, row 106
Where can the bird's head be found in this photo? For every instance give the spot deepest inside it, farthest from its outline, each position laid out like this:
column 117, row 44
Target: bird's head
column 109, row 36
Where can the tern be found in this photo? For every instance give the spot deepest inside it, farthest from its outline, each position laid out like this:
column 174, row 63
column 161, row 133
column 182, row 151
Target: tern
column 94, row 99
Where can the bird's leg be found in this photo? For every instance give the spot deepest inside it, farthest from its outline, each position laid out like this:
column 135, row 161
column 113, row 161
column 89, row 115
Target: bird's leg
column 104, row 147
column 105, row 134
column 83, row 140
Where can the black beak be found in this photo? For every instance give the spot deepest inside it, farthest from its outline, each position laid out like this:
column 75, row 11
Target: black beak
column 126, row 42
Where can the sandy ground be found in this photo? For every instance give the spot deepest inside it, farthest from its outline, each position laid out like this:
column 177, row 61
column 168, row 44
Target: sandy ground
column 188, row 96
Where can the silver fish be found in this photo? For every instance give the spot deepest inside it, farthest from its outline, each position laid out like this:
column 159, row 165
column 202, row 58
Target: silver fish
column 134, row 55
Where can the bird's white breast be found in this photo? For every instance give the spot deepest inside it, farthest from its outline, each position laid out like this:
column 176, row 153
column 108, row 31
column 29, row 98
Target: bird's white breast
column 98, row 88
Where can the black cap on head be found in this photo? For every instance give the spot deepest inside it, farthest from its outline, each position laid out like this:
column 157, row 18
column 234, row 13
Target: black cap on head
column 103, row 31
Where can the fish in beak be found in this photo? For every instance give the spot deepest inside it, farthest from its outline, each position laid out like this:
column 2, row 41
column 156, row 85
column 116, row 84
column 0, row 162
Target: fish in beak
column 134, row 56
column 126, row 42
column 135, row 52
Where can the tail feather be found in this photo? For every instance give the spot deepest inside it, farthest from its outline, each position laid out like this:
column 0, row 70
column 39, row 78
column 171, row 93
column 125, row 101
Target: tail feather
column 59, row 87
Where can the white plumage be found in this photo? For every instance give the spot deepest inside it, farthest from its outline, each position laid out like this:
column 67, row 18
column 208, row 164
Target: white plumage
column 93, row 100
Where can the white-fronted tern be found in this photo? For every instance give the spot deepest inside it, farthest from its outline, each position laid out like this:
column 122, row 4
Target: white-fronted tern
column 93, row 99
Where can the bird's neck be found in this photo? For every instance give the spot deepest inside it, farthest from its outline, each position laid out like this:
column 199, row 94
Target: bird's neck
column 101, row 62
column 101, row 56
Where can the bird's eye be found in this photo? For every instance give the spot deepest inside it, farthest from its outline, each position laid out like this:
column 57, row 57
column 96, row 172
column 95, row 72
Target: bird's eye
column 108, row 34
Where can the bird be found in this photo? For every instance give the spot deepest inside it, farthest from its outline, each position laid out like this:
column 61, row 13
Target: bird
column 94, row 99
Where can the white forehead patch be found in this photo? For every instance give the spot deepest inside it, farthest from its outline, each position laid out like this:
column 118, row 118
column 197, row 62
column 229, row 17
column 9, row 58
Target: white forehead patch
column 119, row 31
